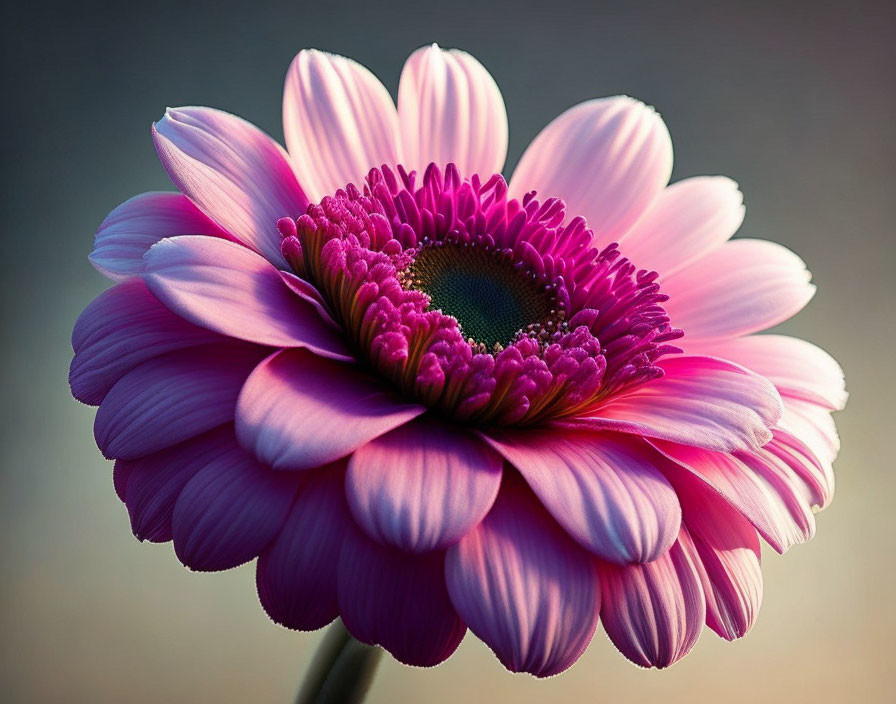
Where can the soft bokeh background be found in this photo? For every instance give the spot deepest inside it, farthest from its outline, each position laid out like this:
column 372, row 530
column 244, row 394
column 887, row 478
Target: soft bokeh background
column 796, row 101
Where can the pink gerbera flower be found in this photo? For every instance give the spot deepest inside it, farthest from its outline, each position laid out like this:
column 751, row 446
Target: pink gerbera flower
column 428, row 400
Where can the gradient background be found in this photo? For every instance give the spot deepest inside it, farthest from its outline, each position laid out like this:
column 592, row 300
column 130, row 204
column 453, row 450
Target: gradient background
column 795, row 103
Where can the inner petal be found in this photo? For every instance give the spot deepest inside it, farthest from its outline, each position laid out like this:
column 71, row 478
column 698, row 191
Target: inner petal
column 491, row 297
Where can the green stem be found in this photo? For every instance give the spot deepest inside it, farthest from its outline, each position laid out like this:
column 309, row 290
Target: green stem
column 341, row 671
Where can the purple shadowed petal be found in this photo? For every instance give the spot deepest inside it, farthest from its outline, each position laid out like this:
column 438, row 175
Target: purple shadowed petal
column 727, row 556
column 233, row 171
column 297, row 573
column 700, row 401
column 227, row 288
column 423, row 485
column 339, row 122
column 684, row 222
column 121, row 328
column 137, row 224
column 605, row 489
column 396, row 600
column 607, row 159
column 173, row 397
column 760, row 485
column 299, row 411
column 654, row 612
column 524, row 587
column 230, row 510
column 151, row 484
column 451, row 111
column 743, row 286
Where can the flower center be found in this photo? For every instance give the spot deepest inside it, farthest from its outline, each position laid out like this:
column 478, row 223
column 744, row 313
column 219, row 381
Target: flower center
column 491, row 297
column 489, row 310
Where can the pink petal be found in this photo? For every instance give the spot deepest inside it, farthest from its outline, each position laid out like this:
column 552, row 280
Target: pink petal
column 521, row 585
column 230, row 510
column 121, row 328
column 813, row 425
column 760, row 485
column 153, row 483
column 450, row 110
column 604, row 489
column 339, row 122
column 299, row 411
column 225, row 287
column 798, row 368
column 173, row 397
column 398, row 601
column 741, row 287
column 607, row 159
column 297, row 573
column 727, row 556
column 137, row 224
column 654, row 612
column 233, row 171
column 685, row 221
column 699, row 401
column 422, row 486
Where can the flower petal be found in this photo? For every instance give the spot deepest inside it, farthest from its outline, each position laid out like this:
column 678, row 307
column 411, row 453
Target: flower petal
column 796, row 367
column 524, row 587
column 607, row 159
column 699, row 401
column 297, row 573
column 603, row 488
column 339, row 122
column 654, row 612
column 173, row 397
column 422, row 486
column 759, row 484
column 137, row 224
column 398, row 601
column 121, row 328
column 154, row 482
column 230, row 510
column 727, row 556
column 233, row 171
column 685, row 221
column 741, row 287
column 450, row 110
column 225, row 287
column 299, row 411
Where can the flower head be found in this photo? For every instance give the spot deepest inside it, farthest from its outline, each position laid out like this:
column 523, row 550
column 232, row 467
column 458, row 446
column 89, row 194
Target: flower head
column 428, row 400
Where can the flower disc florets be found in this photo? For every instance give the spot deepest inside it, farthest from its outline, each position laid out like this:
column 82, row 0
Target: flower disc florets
column 487, row 309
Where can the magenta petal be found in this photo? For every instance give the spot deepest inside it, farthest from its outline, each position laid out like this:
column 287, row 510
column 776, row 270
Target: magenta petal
column 235, row 173
column 297, row 573
column 603, row 488
column 173, row 397
column 396, row 600
column 759, row 484
column 227, row 288
column 299, row 411
column 137, row 224
column 423, row 485
column 153, row 483
column 524, row 587
column 121, row 328
column 699, row 401
column 654, row 612
column 230, row 510
column 727, row 552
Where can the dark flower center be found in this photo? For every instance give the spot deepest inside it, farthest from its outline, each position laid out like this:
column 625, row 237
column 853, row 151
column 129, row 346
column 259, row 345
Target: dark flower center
column 491, row 297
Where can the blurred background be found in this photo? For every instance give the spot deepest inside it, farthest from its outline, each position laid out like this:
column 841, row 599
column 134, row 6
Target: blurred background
column 795, row 101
